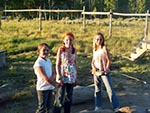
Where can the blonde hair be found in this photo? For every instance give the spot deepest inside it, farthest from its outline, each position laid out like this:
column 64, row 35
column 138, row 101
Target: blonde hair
column 101, row 43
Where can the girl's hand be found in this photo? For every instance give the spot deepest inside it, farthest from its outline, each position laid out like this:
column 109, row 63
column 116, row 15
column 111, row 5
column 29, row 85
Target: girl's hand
column 57, row 85
column 53, row 77
column 60, row 79
column 107, row 70
column 76, row 81
column 93, row 70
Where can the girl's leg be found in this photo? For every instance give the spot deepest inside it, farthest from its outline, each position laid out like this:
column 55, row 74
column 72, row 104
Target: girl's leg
column 98, row 93
column 110, row 90
column 68, row 98
column 49, row 100
column 42, row 101
column 59, row 99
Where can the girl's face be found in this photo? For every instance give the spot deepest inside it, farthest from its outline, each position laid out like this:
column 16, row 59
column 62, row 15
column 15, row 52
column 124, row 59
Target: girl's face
column 68, row 41
column 44, row 51
column 98, row 40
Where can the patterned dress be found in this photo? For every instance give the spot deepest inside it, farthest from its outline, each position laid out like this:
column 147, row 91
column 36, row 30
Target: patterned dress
column 68, row 67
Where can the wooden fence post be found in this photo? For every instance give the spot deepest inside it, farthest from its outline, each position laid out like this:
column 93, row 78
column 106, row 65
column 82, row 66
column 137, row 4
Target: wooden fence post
column 110, row 24
column 84, row 22
column 58, row 15
column 40, row 19
column 146, row 26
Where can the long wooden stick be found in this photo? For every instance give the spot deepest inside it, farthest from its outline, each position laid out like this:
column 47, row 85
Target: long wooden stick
column 137, row 79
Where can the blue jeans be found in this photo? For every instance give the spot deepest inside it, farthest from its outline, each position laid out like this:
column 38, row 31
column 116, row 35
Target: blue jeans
column 44, row 101
column 63, row 98
column 110, row 90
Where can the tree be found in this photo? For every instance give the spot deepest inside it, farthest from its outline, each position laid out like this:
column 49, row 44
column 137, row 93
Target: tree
column 137, row 6
column 110, row 4
column 141, row 6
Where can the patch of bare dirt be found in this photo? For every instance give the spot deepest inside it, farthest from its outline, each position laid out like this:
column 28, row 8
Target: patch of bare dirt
column 133, row 94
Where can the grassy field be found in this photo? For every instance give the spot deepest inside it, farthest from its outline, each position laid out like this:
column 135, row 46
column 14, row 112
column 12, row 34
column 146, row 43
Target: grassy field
column 20, row 40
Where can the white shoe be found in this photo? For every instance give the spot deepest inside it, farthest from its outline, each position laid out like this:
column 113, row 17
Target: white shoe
column 117, row 110
column 97, row 109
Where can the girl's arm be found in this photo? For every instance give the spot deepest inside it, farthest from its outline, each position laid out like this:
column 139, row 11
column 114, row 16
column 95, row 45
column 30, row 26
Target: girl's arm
column 107, row 65
column 44, row 77
column 92, row 63
column 76, row 65
column 93, row 66
column 58, row 63
column 53, row 74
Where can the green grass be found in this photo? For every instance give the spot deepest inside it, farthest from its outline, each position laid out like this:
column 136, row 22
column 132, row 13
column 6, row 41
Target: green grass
column 20, row 41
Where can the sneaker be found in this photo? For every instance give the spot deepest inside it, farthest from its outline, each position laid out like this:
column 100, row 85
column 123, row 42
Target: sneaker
column 147, row 110
column 117, row 110
column 97, row 109
column 125, row 109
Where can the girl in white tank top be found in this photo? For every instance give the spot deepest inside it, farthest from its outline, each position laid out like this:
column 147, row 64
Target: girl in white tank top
column 100, row 70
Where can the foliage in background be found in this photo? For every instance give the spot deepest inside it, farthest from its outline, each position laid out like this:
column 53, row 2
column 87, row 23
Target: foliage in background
column 122, row 6
column 137, row 7
column 110, row 4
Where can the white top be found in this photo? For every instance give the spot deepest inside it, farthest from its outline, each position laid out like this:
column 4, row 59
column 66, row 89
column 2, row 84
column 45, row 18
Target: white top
column 99, row 59
column 47, row 69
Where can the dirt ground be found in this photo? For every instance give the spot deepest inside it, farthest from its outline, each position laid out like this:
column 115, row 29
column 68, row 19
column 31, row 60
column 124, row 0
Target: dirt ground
column 130, row 93
column 140, row 100
column 135, row 94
